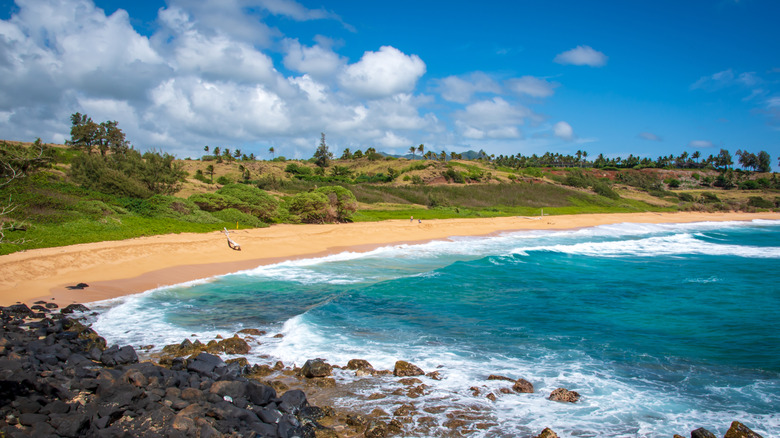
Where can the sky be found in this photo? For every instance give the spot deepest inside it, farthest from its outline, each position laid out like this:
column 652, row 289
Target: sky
column 642, row 77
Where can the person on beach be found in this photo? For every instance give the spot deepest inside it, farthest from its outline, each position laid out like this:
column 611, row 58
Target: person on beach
column 411, row 219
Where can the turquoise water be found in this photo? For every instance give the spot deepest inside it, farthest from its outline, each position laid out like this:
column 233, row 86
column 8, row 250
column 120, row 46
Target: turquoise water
column 661, row 328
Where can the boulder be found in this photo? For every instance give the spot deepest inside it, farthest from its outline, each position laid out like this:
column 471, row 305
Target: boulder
column 497, row 377
column 205, row 363
column 406, row 369
column 71, row 308
column 359, row 364
column 252, row 331
column 739, row 430
column 114, row 356
column 547, row 433
column 564, row 395
column 316, row 368
column 523, row 386
column 702, row 433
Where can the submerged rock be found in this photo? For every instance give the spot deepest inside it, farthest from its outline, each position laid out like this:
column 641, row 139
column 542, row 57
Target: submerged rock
column 702, row 433
column 523, row 386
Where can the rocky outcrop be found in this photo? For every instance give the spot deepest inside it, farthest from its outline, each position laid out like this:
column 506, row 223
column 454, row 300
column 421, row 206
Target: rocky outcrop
column 523, row 386
column 57, row 378
column 406, row 369
column 564, row 395
column 739, row 430
column 547, row 433
column 702, row 433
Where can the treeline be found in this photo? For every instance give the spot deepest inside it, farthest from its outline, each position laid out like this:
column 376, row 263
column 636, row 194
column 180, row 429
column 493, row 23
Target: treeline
column 760, row 162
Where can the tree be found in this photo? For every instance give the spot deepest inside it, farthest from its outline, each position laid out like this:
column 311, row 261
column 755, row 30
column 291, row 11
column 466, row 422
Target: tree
column 412, row 149
column 217, row 150
column 237, row 154
column 723, row 159
column 16, row 162
column 210, row 171
column 420, row 149
column 206, row 148
column 271, row 151
column 764, row 162
column 87, row 135
column 346, row 155
column 322, row 155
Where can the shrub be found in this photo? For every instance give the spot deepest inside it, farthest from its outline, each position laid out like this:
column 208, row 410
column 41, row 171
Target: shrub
column 296, row 169
column 759, row 202
column 709, row 197
column 673, row 183
column 342, row 203
column 687, row 197
column 749, row 185
column 223, row 180
column 603, row 189
column 645, row 181
column 251, row 200
column 233, row 215
column 309, row 207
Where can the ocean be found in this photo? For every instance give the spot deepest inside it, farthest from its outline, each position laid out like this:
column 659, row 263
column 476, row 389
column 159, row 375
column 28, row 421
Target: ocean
column 661, row 328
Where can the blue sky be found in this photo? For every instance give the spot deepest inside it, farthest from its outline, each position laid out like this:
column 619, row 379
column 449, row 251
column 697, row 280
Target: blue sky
column 646, row 78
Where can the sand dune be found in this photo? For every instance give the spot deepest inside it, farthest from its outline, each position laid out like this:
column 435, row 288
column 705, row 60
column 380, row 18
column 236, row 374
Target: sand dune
column 117, row 268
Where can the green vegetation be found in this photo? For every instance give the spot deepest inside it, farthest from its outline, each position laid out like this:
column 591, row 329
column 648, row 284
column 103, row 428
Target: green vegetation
column 100, row 188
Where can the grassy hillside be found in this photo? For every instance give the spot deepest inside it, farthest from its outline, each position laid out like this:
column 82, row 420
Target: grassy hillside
column 50, row 209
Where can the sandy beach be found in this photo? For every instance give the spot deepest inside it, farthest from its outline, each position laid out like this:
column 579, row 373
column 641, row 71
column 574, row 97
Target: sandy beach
column 117, row 268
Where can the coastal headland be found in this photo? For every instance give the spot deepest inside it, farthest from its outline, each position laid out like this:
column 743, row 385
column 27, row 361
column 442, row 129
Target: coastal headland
column 118, row 268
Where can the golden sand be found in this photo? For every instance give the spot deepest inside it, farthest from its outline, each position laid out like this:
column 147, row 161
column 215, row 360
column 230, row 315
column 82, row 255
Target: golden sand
column 116, row 268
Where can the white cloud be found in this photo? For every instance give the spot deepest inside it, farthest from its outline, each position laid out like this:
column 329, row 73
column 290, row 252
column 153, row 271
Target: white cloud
column 495, row 118
column 582, row 55
column 649, row 136
column 532, row 86
column 383, row 73
column 700, row 144
column 317, row 61
column 457, row 89
column 563, row 131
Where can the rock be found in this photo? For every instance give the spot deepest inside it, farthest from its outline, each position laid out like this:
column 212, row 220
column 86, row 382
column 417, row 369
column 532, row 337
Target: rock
column 71, row 308
column 359, row 364
column 702, row 433
column 523, row 386
column 434, row 375
column 564, row 395
column 252, row 331
column 77, row 287
column 51, row 306
column 316, row 368
column 405, row 369
column 496, row 377
column 547, row 433
column 234, row 345
column 118, row 356
column 739, row 430
column 376, row 429
column 205, row 363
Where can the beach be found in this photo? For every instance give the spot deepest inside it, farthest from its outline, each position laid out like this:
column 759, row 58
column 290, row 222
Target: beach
column 118, row 268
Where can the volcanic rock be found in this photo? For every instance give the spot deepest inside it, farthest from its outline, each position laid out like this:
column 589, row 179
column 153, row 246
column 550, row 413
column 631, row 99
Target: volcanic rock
column 405, row 369
column 564, row 395
column 739, row 430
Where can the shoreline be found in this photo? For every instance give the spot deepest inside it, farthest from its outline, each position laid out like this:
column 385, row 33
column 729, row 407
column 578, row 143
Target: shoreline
column 118, row 268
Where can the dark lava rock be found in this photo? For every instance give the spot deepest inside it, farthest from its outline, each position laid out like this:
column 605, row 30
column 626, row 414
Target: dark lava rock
column 74, row 308
column 547, row 433
column 77, row 287
column 359, row 364
column 564, row 395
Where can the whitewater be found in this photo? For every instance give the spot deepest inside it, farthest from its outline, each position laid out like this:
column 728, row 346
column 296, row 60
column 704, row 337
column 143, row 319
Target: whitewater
column 662, row 328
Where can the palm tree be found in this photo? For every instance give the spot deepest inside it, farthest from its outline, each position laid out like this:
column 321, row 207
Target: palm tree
column 412, row 149
column 206, row 148
column 420, row 149
column 237, row 153
column 271, row 151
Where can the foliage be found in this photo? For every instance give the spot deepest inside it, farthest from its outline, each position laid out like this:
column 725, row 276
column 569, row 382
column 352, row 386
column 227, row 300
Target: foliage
column 759, row 202
column 643, row 180
column 309, row 208
column 342, row 203
column 232, row 215
column 322, row 155
column 259, row 203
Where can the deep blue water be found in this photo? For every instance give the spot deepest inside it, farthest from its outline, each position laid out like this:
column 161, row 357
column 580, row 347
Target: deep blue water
column 661, row 328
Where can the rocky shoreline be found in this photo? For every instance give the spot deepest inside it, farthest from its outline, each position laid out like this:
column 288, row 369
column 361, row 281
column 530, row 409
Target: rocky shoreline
column 60, row 378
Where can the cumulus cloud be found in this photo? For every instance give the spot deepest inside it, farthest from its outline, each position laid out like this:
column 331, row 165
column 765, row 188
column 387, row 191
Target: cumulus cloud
column 461, row 89
column 649, row 136
column 317, row 60
column 582, row 55
column 700, row 144
column 495, row 118
column 563, row 131
column 532, row 86
column 384, row 73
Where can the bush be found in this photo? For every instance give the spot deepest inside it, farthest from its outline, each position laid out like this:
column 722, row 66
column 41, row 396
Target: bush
column 341, row 201
column 645, row 181
column 759, row 202
column 673, row 183
column 309, row 208
column 709, row 197
column 223, row 180
column 603, row 189
column 749, row 185
column 253, row 201
column 233, row 215
column 687, row 197
column 296, row 169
